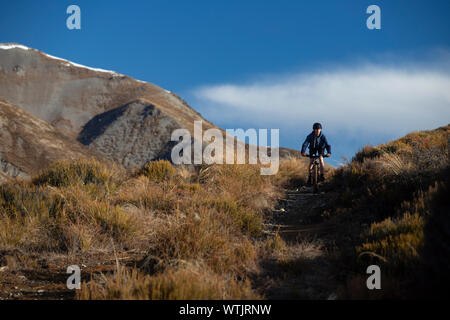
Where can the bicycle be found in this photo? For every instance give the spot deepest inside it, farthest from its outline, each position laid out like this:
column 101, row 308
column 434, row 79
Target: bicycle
column 315, row 170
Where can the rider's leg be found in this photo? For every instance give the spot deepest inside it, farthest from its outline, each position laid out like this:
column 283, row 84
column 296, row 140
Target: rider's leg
column 311, row 160
column 310, row 171
column 310, row 166
column 322, row 168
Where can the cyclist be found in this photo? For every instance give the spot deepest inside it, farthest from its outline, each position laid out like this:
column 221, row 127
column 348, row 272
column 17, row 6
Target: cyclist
column 317, row 143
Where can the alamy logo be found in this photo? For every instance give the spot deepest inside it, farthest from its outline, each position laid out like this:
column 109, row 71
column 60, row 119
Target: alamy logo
column 74, row 20
column 214, row 153
column 74, row 281
column 374, row 20
column 374, row 281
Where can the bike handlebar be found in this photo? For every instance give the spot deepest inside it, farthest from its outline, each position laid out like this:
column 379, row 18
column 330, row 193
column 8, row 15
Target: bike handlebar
column 314, row 156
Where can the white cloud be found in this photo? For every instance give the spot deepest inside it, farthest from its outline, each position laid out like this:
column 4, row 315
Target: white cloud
column 374, row 98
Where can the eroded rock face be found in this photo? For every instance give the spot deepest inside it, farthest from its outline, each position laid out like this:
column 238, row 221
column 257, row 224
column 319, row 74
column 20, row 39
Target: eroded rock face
column 131, row 134
column 11, row 170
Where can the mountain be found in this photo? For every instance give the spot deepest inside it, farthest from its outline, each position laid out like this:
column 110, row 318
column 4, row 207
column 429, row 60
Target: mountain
column 73, row 98
column 29, row 144
column 123, row 119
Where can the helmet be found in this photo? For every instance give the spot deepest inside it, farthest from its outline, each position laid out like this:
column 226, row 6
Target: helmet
column 317, row 126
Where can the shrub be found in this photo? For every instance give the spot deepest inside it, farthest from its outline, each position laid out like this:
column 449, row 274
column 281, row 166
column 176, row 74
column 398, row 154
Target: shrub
column 158, row 171
column 367, row 152
column 110, row 218
column 21, row 200
column 292, row 173
column 397, row 189
column 193, row 283
column 394, row 244
column 201, row 235
column 68, row 173
column 246, row 219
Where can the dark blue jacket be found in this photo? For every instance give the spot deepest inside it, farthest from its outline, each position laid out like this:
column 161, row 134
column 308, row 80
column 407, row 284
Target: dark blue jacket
column 316, row 143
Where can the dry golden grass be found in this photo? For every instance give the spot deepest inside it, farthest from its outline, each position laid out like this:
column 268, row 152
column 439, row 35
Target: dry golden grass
column 187, row 282
column 397, row 190
column 160, row 170
column 199, row 229
column 395, row 244
column 424, row 147
column 173, row 215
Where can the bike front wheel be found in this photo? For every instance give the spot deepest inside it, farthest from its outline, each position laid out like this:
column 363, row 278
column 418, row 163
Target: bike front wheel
column 315, row 178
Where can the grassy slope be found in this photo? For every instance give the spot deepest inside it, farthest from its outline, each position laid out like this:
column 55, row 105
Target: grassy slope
column 185, row 232
column 393, row 211
column 178, row 232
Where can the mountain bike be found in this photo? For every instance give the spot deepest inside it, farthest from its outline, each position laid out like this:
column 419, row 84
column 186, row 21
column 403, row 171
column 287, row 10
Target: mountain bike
column 315, row 170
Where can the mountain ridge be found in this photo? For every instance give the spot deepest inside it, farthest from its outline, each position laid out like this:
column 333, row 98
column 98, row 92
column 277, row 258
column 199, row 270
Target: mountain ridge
column 68, row 95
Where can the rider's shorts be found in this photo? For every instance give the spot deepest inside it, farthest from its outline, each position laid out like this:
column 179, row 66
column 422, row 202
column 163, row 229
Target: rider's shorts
column 314, row 152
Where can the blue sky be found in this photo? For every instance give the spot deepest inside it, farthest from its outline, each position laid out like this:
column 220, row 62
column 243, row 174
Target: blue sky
column 270, row 64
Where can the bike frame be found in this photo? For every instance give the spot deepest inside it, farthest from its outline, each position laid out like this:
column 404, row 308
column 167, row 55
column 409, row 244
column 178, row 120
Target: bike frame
column 315, row 170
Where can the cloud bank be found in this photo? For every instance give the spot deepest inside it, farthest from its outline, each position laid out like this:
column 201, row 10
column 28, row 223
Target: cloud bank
column 374, row 99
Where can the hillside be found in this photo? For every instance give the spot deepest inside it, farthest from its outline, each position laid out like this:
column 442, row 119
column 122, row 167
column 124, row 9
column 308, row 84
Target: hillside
column 388, row 207
column 226, row 232
column 392, row 210
column 29, row 144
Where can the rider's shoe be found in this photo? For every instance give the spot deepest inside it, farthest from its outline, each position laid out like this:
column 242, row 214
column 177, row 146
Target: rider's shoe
column 322, row 178
column 309, row 183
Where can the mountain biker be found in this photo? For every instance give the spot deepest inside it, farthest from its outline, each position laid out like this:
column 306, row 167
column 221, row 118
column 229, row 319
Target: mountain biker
column 317, row 143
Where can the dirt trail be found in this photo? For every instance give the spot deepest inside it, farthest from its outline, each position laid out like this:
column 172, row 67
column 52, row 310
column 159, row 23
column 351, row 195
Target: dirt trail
column 303, row 211
column 34, row 278
column 306, row 269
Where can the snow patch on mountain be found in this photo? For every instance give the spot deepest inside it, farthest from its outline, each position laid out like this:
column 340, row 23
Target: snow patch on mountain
column 67, row 63
column 8, row 46
column 73, row 64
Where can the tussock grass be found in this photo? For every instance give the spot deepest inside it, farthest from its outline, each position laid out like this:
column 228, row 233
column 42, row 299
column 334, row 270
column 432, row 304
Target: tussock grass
column 64, row 208
column 425, row 148
column 173, row 216
column 202, row 236
column 292, row 172
column 250, row 221
column 395, row 244
column 66, row 173
column 158, row 170
column 198, row 230
column 396, row 190
column 188, row 282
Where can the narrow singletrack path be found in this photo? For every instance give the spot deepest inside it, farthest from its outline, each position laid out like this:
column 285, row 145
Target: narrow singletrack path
column 306, row 269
